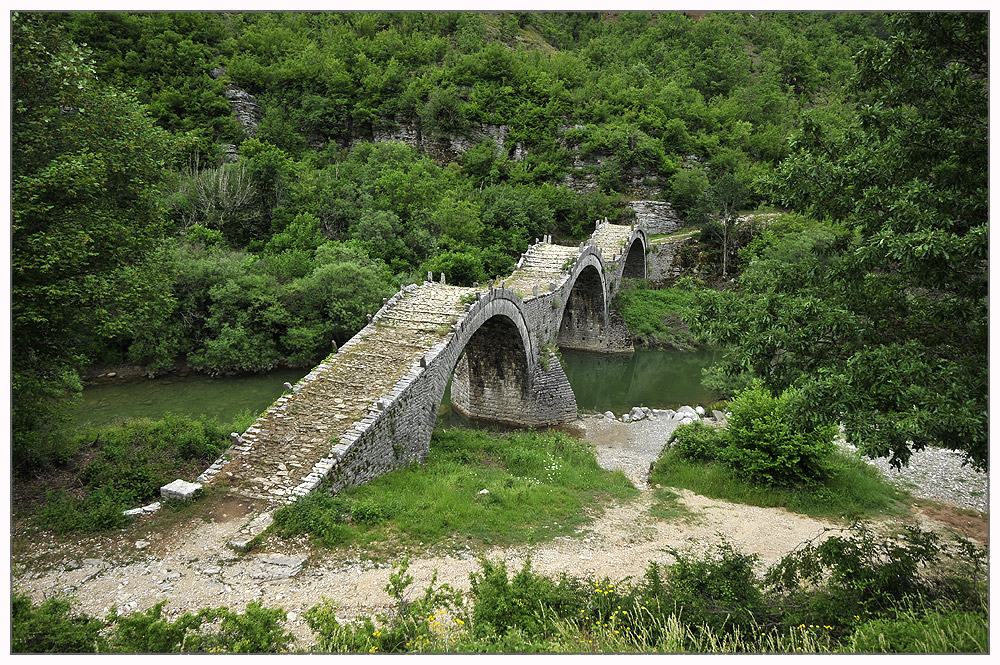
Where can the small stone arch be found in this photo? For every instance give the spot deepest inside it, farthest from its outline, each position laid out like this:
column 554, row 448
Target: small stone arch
column 634, row 258
column 584, row 315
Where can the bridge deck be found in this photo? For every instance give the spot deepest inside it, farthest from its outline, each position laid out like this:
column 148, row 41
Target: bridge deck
column 542, row 265
column 611, row 239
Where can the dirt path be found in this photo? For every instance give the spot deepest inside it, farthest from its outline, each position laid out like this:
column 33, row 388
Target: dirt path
column 190, row 567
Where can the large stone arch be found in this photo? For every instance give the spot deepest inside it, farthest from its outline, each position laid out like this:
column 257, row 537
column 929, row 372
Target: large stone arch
column 495, row 368
column 583, row 318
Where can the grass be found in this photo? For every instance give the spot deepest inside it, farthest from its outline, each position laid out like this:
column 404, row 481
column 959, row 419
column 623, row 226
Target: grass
column 676, row 235
column 655, row 316
column 668, row 507
column 476, row 488
column 854, row 489
column 123, row 466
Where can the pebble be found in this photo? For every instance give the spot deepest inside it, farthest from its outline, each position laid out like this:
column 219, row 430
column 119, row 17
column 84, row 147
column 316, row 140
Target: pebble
column 938, row 474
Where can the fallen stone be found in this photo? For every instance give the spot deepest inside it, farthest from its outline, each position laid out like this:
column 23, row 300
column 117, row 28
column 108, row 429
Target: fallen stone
column 132, row 512
column 141, row 544
column 180, row 489
column 152, row 508
column 626, row 418
column 719, row 416
column 609, row 415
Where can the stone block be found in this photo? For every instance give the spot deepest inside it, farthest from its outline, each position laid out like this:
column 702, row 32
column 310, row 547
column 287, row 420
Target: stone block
column 180, row 489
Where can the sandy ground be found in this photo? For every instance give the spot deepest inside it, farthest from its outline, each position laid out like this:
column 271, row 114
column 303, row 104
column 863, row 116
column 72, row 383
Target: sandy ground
column 189, row 565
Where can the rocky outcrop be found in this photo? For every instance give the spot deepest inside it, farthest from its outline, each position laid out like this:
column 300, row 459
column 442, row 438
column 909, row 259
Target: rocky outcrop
column 658, row 216
column 445, row 148
column 245, row 107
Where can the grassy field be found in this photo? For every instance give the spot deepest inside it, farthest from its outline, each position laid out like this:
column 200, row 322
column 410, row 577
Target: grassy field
column 475, row 489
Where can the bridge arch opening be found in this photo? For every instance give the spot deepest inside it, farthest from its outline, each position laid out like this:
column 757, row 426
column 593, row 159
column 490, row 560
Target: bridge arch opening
column 585, row 315
column 635, row 261
column 491, row 379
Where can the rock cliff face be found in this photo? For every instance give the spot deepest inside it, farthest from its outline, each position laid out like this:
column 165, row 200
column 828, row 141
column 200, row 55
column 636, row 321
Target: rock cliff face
column 245, row 107
column 448, row 148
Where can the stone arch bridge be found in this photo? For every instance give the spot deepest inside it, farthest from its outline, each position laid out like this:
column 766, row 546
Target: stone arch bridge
column 370, row 407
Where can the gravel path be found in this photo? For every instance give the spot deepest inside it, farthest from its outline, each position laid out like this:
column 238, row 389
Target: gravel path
column 188, row 565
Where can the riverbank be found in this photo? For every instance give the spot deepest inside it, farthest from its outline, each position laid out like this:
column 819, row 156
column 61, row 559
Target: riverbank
column 187, row 564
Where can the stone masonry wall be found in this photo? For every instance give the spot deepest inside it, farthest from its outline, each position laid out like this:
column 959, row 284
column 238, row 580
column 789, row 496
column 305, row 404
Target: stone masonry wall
column 657, row 216
column 666, row 261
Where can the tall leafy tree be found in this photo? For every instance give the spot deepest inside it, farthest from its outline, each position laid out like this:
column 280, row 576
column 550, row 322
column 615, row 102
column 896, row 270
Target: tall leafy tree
column 86, row 163
column 884, row 328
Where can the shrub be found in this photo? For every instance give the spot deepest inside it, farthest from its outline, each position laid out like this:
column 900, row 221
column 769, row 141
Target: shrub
column 132, row 461
column 149, row 632
column 257, row 630
column 768, row 447
column 51, row 628
column 698, row 442
column 527, row 602
column 865, row 575
column 720, row 591
column 413, row 625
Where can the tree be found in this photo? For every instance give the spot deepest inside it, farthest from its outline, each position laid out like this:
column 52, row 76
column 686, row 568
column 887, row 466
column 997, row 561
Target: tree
column 884, row 328
column 86, row 164
column 726, row 196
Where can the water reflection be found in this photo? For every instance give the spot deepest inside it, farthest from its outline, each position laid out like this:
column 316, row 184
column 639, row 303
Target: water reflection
column 654, row 378
column 192, row 395
column 601, row 382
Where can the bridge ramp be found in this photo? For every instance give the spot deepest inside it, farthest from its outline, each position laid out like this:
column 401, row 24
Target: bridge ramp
column 288, row 444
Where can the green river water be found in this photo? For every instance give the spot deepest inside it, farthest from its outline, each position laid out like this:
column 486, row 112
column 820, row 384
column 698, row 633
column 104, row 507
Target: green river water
column 601, row 382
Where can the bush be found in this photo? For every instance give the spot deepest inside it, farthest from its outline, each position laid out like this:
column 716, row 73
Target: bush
column 527, row 602
column 257, row 630
column 51, row 628
column 698, row 442
column 865, row 575
column 132, row 461
column 149, row 632
column 768, row 447
column 720, row 592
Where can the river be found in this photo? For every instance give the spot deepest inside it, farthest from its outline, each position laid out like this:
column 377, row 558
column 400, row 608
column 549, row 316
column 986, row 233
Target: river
column 601, row 382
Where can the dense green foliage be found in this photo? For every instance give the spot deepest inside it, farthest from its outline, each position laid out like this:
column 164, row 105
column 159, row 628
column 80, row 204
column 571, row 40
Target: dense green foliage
column 803, row 472
column 536, row 486
column 882, row 323
column 655, row 317
column 52, row 627
column 908, row 593
column 763, row 441
column 84, row 216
